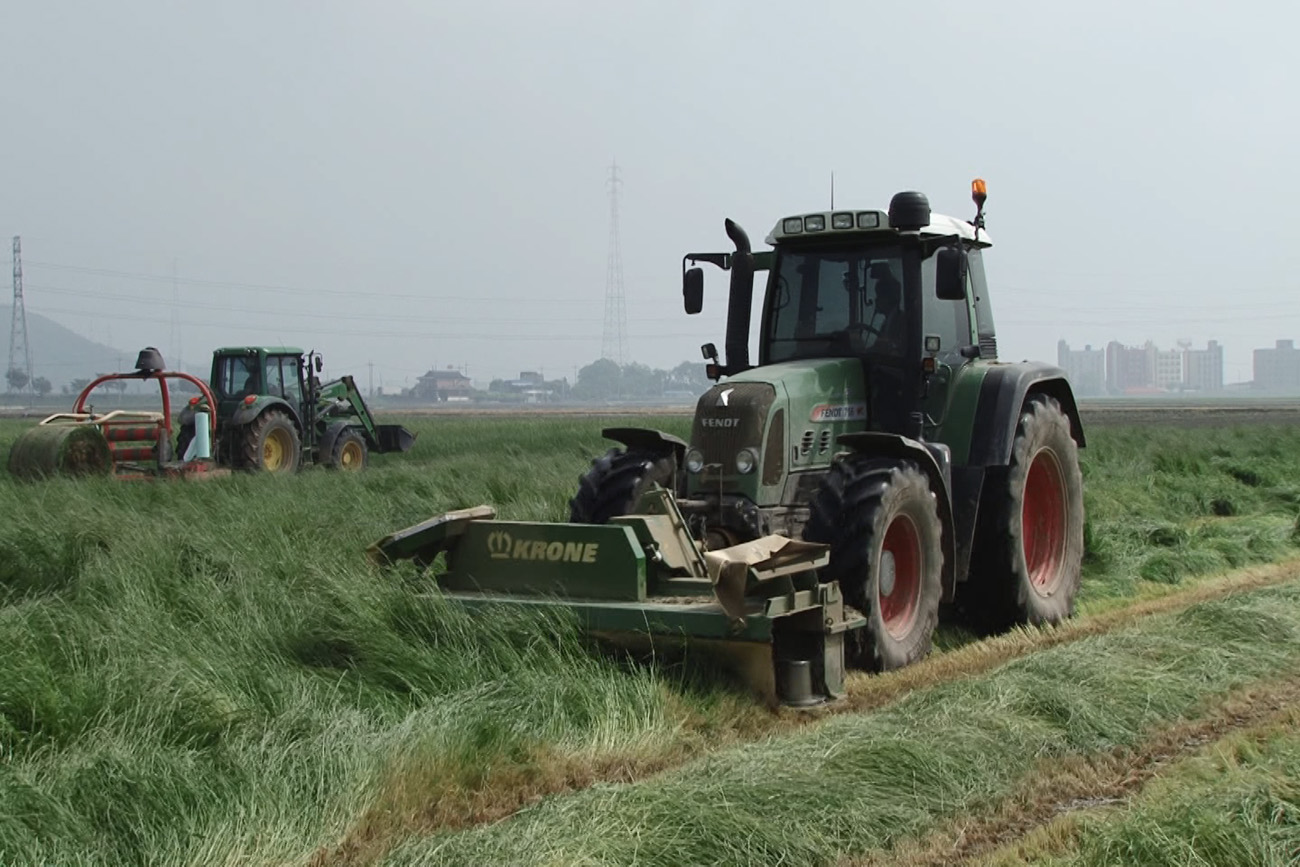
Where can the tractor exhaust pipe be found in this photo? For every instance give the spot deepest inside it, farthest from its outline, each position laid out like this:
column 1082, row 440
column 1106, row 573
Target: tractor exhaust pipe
column 741, row 300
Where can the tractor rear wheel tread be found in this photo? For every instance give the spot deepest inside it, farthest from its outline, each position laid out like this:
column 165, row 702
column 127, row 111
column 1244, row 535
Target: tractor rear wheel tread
column 881, row 519
column 269, row 435
column 616, row 482
column 1029, row 556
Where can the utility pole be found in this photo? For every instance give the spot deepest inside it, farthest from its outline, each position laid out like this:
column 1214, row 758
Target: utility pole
column 19, row 349
column 371, row 365
column 614, row 344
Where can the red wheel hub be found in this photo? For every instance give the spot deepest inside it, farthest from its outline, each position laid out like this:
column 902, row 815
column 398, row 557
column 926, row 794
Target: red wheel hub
column 898, row 586
column 1043, row 522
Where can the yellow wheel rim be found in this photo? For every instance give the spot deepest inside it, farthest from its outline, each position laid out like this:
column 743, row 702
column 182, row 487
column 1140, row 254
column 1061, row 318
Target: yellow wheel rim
column 351, row 457
column 275, row 451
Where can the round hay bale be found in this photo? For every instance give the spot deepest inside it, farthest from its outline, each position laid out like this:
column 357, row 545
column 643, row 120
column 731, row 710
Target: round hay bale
column 60, row 449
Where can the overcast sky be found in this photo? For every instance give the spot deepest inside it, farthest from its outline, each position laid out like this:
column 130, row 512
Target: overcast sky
column 418, row 184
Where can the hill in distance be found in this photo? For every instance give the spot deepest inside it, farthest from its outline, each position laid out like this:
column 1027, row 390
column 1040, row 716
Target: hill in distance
column 60, row 354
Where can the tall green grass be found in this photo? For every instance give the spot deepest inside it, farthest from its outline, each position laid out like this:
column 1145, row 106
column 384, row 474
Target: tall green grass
column 212, row 673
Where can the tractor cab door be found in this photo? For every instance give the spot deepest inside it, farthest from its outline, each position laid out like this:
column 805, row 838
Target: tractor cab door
column 284, row 379
column 854, row 301
column 952, row 325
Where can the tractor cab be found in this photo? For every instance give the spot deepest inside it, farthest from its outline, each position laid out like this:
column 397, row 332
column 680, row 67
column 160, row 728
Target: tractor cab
column 251, row 372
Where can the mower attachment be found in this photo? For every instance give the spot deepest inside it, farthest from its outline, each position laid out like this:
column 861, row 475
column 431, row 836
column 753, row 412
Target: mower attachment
column 642, row 581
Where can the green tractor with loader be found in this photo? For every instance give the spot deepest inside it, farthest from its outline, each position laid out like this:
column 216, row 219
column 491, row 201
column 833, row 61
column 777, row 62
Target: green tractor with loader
column 877, row 464
column 264, row 409
column 273, row 414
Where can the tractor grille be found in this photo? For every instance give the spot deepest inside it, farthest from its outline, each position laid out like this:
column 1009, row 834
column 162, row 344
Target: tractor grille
column 730, row 417
column 806, row 443
column 824, row 441
column 988, row 347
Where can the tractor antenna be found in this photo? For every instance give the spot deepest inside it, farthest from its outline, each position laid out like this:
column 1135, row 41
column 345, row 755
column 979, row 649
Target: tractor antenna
column 832, row 191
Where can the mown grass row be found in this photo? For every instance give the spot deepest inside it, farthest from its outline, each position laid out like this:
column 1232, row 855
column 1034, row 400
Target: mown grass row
column 863, row 782
column 1236, row 802
column 212, row 673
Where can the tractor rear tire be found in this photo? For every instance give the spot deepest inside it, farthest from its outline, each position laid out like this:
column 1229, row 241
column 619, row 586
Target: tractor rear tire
column 271, row 444
column 616, row 482
column 881, row 520
column 1029, row 555
column 350, row 453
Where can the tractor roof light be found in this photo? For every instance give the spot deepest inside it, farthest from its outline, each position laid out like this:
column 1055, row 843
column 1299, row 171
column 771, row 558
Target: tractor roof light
column 814, row 223
column 792, row 225
column 979, row 192
column 841, row 221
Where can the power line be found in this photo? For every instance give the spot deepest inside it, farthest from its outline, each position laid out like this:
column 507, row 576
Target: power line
column 297, row 290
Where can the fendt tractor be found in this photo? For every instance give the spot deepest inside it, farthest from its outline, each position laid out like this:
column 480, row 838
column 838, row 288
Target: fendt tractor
column 878, row 428
column 273, row 414
column 264, row 409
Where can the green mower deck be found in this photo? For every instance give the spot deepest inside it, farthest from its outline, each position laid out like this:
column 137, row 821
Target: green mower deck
column 641, row 582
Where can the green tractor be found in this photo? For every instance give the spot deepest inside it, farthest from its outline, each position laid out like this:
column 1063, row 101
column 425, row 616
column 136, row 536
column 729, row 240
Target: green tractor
column 273, row 414
column 878, row 420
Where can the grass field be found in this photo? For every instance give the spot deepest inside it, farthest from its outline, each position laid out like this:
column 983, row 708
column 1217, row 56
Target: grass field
column 212, row 673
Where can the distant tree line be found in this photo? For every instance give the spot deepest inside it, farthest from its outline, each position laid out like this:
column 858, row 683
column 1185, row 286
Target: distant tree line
column 607, row 380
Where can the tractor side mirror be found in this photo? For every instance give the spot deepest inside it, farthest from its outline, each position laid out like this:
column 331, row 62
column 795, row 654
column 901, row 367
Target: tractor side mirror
column 693, row 290
column 319, row 364
column 950, row 274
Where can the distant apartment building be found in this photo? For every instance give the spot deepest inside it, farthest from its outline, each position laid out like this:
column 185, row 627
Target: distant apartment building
column 1168, row 368
column 1203, row 368
column 1278, row 369
column 1085, row 367
column 1130, row 368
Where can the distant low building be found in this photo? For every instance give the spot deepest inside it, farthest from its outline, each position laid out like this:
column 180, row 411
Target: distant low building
column 1278, row 369
column 443, row 385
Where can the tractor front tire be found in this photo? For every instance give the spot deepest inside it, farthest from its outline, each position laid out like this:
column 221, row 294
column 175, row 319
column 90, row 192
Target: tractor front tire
column 271, row 444
column 350, row 453
column 881, row 519
column 616, row 481
column 1029, row 556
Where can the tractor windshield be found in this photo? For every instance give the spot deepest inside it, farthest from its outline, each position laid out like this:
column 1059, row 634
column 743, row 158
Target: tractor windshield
column 237, row 376
column 836, row 302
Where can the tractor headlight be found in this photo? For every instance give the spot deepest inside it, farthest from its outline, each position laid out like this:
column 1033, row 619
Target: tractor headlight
column 746, row 461
column 694, row 460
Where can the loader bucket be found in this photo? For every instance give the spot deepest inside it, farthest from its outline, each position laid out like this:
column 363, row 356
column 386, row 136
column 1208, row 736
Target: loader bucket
column 393, row 438
column 640, row 581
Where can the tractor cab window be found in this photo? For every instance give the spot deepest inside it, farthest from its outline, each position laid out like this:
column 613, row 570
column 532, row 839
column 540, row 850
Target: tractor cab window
column 837, row 302
column 291, row 389
column 237, row 376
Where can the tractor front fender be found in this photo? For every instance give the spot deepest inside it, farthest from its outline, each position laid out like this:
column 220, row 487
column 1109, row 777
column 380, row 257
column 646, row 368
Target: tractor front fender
column 1002, row 395
column 648, row 439
column 249, row 411
column 935, row 460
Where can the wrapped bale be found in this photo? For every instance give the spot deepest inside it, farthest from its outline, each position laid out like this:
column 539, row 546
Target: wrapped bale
column 62, row 450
